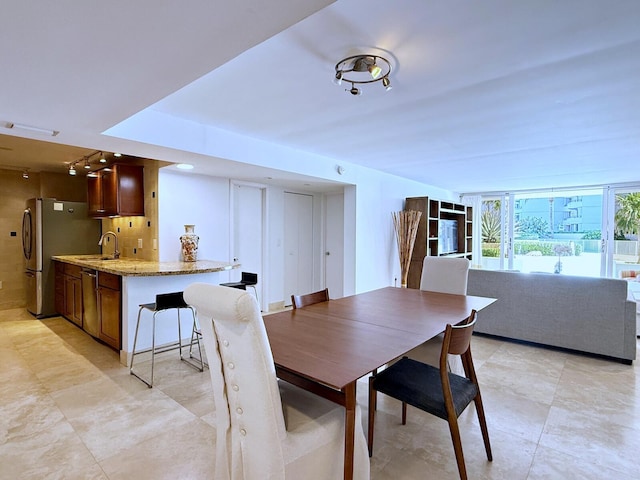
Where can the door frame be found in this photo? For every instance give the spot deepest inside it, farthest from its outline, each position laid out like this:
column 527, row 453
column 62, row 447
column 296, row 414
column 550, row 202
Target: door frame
column 264, row 262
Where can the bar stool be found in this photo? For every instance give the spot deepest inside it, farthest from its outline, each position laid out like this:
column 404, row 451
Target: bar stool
column 246, row 280
column 167, row 301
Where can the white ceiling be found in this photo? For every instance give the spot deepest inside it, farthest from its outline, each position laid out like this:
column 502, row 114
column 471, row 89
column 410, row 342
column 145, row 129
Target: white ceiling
column 488, row 96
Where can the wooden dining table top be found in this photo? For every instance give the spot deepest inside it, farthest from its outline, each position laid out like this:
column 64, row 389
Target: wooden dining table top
column 336, row 342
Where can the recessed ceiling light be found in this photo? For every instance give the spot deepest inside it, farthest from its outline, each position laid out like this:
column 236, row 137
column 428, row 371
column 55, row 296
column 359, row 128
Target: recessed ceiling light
column 117, row 154
column 184, row 166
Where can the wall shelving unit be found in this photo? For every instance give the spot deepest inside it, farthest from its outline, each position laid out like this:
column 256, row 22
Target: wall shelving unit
column 429, row 242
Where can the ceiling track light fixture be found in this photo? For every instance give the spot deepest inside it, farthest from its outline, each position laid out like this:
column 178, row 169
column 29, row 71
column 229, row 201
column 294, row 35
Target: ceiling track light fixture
column 86, row 162
column 362, row 69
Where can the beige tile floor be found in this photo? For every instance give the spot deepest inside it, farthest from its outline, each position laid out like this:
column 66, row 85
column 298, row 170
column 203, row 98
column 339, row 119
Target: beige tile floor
column 69, row 410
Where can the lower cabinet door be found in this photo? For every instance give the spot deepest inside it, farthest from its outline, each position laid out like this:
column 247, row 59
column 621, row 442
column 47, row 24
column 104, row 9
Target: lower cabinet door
column 73, row 299
column 109, row 307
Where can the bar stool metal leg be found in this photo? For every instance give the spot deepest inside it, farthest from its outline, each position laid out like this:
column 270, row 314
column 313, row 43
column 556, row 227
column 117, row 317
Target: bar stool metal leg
column 196, row 362
column 133, row 352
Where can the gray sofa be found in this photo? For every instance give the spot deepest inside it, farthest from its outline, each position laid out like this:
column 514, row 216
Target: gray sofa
column 585, row 314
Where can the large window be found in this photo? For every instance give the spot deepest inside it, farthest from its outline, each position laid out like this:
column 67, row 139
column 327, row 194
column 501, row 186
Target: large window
column 588, row 232
column 625, row 254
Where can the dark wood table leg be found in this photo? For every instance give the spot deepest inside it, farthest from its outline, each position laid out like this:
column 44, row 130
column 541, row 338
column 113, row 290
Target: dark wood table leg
column 349, row 428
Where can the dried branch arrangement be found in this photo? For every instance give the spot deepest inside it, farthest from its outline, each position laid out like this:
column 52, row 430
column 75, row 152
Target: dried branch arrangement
column 406, row 226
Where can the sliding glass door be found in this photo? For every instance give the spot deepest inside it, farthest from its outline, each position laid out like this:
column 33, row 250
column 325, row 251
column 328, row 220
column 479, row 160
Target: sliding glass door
column 551, row 231
column 496, row 232
column 623, row 257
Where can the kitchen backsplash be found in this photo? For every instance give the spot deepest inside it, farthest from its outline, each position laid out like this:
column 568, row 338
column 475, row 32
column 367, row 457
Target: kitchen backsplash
column 135, row 231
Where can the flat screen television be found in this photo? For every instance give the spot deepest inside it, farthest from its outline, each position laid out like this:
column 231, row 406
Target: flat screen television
column 447, row 236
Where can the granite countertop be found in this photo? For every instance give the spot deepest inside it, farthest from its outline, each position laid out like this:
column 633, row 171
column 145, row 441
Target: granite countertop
column 129, row 267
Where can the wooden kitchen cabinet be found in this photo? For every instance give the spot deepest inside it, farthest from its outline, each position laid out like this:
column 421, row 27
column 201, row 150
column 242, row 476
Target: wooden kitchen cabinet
column 69, row 295
column 116, row 191
column 73, row 300
column 109, row 308
column 59, row 300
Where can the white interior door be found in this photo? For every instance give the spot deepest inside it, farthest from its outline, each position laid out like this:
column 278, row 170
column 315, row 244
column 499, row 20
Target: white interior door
column 248, row 232
column 298, row 245
column 334, row 245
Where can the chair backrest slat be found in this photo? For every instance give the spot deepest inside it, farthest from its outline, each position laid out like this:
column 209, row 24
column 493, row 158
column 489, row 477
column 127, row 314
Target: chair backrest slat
column 165, row 301
column 299, row 301
column 249, row 278
column 459, row 336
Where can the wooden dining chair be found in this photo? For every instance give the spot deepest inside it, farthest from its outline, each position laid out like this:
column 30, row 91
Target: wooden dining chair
column 299, row 301
column 442, row 275
column 435, row 390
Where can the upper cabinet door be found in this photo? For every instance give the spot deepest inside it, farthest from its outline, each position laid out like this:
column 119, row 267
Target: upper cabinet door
column 117, row 191
column 129, row 182
column 94, row 196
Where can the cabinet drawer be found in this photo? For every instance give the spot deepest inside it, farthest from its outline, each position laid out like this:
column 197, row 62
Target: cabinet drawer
column 72, row 270
column 109, row 280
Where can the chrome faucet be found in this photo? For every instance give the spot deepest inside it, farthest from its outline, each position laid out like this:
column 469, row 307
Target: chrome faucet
column 116, row 253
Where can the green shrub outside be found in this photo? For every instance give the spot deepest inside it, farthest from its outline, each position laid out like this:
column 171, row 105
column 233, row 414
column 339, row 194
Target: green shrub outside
column 523, row 247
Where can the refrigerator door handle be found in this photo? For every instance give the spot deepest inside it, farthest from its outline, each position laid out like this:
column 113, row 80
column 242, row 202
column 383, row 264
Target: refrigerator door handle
column 27, row 229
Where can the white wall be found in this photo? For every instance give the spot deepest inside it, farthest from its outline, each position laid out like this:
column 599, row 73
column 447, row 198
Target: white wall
column 374, row 250
column 193, row 199
column 205, row 202
column 370, row 196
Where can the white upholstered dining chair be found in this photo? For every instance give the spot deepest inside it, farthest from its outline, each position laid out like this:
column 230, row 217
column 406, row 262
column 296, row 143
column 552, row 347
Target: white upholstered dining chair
column 443, row 275
column 266, row 428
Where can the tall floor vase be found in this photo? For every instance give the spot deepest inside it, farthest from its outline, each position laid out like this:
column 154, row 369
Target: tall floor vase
column 405, row 223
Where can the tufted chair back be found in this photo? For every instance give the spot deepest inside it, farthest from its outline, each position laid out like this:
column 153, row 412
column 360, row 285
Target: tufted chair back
column 265, row 429
column 249, row 417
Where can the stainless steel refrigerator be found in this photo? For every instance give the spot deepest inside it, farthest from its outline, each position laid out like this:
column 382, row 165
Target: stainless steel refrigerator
column 53, row 227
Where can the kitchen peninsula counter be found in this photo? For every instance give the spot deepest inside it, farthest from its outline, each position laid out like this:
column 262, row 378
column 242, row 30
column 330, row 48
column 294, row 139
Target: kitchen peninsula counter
column 129, row 267
column 140, row 282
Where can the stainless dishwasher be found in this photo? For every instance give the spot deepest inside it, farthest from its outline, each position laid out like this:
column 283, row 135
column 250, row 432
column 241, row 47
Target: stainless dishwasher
column 90, row 323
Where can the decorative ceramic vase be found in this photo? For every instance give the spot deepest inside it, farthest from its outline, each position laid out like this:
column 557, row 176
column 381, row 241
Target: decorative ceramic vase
column 189, row 241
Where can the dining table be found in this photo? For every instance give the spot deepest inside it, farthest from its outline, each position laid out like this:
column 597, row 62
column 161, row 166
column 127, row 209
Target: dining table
column 326, row 347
